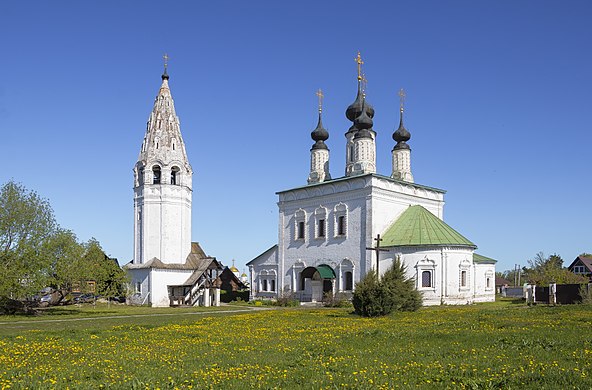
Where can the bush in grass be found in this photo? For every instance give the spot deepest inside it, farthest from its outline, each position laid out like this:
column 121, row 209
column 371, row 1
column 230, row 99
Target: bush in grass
column 336, row 300
column 394, row 292
column 286, row 300
column 586, row 294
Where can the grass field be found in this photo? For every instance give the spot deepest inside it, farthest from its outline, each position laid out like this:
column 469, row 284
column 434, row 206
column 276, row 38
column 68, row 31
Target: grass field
column 500, row 345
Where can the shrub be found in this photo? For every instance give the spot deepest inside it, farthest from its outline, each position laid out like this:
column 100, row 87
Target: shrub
column 287, row 300
column 394, row 292
column 586, row 294
column 336, row 300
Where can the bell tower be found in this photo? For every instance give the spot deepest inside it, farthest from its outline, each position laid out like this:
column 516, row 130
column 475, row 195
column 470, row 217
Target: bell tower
column 162, row 186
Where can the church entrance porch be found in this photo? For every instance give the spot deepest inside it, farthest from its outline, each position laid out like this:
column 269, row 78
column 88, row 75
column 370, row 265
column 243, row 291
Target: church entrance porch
column 315, row 282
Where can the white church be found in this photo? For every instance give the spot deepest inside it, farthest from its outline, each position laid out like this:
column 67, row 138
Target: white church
column 167, row 269
column 329, row 228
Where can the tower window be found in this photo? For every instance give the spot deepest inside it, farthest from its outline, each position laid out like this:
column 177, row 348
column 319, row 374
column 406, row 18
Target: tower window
column 463, row 278
column 156, row 174
column 175, row 176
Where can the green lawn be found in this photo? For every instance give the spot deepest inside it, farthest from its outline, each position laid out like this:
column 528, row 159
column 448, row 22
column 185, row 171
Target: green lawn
column 500, row 345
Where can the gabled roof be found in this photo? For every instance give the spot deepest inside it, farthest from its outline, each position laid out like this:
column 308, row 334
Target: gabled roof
column 266, row 253
column 480, row 259
column 586, row 262
column 202, row 267
column 419, row 227
column 194, row 261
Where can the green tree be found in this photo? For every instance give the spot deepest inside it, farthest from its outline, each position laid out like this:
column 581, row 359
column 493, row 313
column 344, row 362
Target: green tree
column 26, row 223
column 401, row 289
column 110, row 279
column 543, row 270
column 393, row 292
column 65, row 258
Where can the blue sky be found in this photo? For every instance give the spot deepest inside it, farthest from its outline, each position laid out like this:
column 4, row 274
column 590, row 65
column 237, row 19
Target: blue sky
column 498, row 105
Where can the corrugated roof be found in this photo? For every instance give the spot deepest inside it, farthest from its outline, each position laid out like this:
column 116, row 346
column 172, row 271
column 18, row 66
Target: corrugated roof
column 417, row 226
column 480, row 259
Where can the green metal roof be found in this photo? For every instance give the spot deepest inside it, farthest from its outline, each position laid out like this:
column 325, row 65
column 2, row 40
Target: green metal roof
column 326, row 272
column 346, row 178
column 417, row 226
column 477, row 258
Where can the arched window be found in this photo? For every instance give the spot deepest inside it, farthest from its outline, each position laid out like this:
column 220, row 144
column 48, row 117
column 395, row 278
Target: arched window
column 463, row 278
column 272, row 285
column 340, row 212
column 321, row 222
column 299, row 219
column 349, row 281
column 302, row 284
column 175, row 176
column 264, row 285
column 141, row 176
column 156, row 174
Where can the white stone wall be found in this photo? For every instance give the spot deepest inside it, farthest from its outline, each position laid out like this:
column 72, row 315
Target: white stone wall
column 484, row 291
column 372, row 204
column 160, row 280
column 141, row 276
column 162, row 223
column 447, row 265
column 264, row 267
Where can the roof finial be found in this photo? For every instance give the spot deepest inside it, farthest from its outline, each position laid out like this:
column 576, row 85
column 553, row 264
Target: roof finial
column 359, row 61
column 165, row 75
column 321, row 96
column 402, row 97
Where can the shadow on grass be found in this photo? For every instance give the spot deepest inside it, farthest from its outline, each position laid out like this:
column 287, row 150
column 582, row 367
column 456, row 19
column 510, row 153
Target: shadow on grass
column 58, row 311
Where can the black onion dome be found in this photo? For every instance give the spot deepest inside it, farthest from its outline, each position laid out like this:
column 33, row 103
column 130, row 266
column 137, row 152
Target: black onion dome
column 363, row 122
column 369, row 109
column 402, row 135
column 319, row 133
column 355, row 109
column 165, row 75
column 364, row 133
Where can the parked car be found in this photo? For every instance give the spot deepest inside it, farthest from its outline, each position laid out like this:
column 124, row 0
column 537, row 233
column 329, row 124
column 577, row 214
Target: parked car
column 85, row 298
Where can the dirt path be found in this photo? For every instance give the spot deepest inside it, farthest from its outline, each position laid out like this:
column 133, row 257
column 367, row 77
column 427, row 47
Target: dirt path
column 246, row 309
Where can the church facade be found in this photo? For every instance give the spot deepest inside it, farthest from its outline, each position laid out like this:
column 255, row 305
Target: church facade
column 329, row 228
column 167, row 268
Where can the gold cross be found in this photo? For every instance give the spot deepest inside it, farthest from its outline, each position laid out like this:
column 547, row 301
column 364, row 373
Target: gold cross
column 166, row 60
column 320, row 95
column 359, row 61
column 402, row 97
